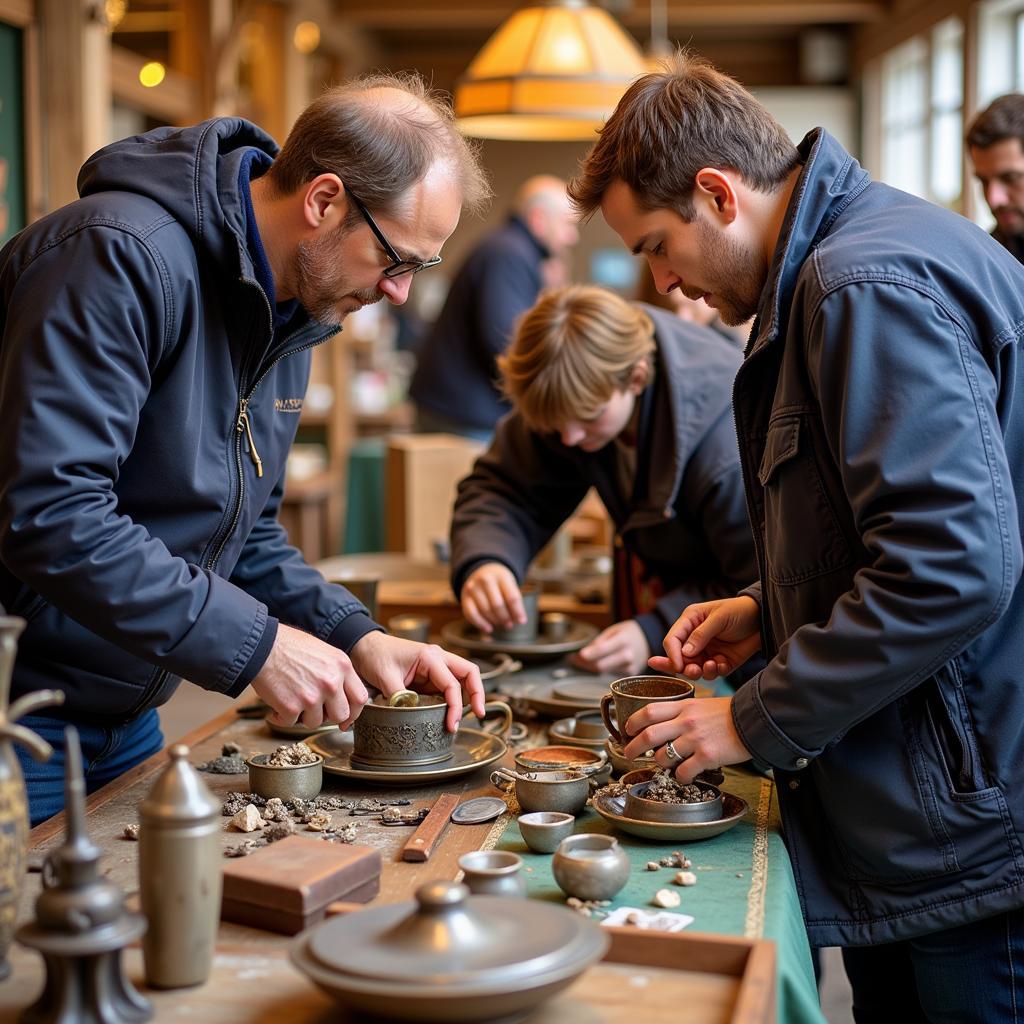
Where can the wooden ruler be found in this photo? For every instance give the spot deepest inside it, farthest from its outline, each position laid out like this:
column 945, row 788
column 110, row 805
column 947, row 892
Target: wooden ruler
column 424, row 839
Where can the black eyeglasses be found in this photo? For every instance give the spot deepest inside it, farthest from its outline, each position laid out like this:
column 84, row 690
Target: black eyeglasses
column 398, row 266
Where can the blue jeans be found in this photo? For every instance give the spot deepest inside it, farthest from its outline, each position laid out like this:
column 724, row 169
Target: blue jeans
column 107, row 752
column 973, row 974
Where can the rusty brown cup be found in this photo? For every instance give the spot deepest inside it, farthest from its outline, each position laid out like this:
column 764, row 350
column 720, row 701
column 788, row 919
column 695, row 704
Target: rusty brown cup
column 629, row 695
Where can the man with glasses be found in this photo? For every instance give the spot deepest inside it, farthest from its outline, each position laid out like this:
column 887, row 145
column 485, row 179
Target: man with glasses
column 154, row 357
column 455, row 386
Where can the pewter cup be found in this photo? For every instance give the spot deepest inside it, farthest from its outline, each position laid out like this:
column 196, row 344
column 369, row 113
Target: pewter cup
column 555, row 626
column 634, row 692
column 521, row 632
column 542, row 831
column 590, row 866
column 546, row 791
column 403, row 736
column 493, row 873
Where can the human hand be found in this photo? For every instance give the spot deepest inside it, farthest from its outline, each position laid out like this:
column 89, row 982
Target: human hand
column 621, row 648
column 307, row 680
column 711, row 639
column 701, row 732
column 491, row 597
column 391, row 664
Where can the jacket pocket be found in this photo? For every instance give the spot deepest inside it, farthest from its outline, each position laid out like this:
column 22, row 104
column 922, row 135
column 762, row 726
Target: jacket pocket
column 803, row 538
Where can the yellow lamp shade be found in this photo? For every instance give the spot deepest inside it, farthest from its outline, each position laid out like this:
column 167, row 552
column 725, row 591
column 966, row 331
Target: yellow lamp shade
column 551, row 71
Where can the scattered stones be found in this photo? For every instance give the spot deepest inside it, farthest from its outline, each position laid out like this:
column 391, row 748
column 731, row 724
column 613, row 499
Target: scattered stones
column 244, row 848
column 318, row 821
column 233, row 765
column 248, row 819
column 652, row 865
column 275, row 810
column 588, row 908
column 279, row 829
column 667, row 899
column 290, row 755
column 130, row 832
column 685, row 878
column 667, row 862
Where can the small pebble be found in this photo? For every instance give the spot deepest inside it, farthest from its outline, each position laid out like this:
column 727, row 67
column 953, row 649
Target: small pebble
column 574, row 902
column 391, row 814
column 667, row 862
column 685, row 878
column 131, row 832
column 739, row 874
column 279, row 829
column 231, row 750
column 652, row 865
column 633, row 918
column 687, row 863
column 666, row 898
column 275, row 810
column 318, row 821
column 247, row 820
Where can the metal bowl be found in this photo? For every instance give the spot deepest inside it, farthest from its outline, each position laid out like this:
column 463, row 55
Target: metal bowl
column 287, row 782
column 657, row 810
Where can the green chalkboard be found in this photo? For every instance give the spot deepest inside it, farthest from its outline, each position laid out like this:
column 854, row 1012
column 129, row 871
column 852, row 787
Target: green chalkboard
column 12, row 133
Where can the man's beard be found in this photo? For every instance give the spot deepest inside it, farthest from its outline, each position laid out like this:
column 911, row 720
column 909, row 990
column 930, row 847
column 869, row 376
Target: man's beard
column 724, row 260
column 318, row 286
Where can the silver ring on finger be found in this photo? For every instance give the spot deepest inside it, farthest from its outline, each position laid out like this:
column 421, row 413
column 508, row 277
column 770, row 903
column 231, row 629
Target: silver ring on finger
column 677, row 758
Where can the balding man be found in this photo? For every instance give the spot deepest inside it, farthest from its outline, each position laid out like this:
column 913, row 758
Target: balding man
column 995, row 141
column 455, row 386
column 154, row 356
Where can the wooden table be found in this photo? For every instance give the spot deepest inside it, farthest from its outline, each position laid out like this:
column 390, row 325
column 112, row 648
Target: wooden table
column 718, row 979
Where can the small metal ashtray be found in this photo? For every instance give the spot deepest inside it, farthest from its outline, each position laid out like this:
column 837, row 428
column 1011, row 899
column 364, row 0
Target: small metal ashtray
column 287, row 782
column 638, row 807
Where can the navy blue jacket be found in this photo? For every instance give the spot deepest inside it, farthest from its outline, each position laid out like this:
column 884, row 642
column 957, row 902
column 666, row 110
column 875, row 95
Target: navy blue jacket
column 880, row 416
column 135, row 535
column 686, row 518
column 457, row 372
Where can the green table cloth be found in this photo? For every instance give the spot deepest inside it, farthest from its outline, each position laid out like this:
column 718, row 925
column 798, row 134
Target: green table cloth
column 744, row 886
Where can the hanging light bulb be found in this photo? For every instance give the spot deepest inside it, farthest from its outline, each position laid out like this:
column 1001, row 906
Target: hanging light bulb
column 659, row 46
column 553, row 70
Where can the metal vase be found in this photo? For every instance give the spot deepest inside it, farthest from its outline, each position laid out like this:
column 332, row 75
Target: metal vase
column 13, row 801
column 179, row 874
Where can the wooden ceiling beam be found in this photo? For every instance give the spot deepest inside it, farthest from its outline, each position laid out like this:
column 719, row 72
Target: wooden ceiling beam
column 415, row 15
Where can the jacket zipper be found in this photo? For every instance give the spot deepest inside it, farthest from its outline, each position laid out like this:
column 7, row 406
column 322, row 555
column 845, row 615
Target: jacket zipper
column 243, row 427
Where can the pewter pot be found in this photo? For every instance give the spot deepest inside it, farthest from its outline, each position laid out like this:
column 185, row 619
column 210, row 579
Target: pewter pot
column 590, row 866
column 13, row 802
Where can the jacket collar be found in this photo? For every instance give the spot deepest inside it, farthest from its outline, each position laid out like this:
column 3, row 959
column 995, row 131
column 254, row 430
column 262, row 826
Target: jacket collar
column 518, row 224
column 830, row 181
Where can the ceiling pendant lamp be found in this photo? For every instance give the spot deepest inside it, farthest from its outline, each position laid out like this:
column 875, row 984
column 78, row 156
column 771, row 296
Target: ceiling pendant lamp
column 552, row 71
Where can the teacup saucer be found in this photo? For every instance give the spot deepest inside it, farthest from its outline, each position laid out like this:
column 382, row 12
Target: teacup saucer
column 471, row 749
column 467, row 637
column 612, row 809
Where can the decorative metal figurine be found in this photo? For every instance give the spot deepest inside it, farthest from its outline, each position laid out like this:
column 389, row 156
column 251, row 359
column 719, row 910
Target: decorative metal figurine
column 13, row 806
column 81, row 925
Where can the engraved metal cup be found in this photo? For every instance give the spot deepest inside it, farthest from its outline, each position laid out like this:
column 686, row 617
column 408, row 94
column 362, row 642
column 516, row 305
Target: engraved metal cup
column 405, row 736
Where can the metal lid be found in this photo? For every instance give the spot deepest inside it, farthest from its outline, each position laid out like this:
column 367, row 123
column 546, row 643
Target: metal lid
column 179, row 795
column 449, row 938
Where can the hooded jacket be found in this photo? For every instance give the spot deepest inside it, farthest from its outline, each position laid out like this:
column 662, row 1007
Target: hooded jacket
column 147, row 410
column 685, row 520
column 880, row 414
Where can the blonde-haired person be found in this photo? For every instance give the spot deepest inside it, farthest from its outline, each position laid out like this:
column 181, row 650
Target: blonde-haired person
column 630, row 400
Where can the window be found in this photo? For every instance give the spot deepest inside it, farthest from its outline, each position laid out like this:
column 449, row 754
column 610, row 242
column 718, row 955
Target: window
column 922, row 114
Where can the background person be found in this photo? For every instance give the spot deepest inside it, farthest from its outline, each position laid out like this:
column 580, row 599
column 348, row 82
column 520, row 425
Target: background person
column 156, row 341
column 455, row 386
column 635, row 402
column 995, row 142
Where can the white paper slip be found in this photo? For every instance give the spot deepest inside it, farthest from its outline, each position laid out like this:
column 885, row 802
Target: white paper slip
column 655, row 920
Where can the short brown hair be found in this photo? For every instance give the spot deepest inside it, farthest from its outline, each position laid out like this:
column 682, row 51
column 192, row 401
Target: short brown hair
column 1002, row 119
column 379, row 146
column 575, row 347
column 670, row 125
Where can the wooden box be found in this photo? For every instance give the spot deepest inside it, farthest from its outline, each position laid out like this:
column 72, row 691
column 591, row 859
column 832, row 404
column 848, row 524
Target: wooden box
column 423, row 471
column 287, row 886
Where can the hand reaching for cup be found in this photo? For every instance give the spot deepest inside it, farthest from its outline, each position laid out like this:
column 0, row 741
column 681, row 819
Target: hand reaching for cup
column 491, row 597
column 621, row 649
column 711, row 639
